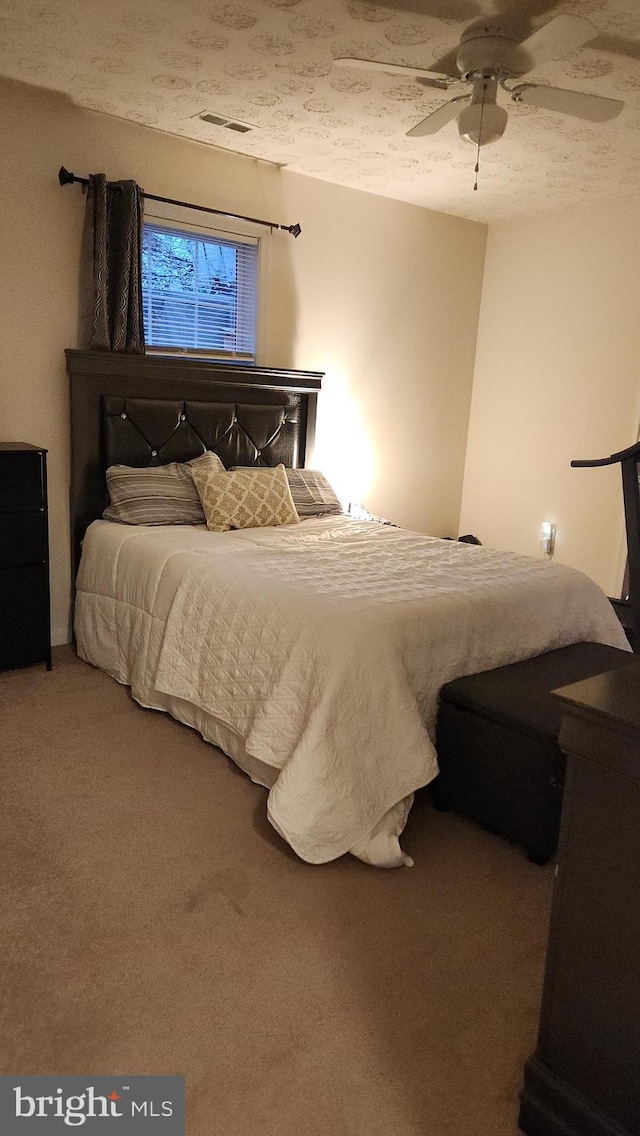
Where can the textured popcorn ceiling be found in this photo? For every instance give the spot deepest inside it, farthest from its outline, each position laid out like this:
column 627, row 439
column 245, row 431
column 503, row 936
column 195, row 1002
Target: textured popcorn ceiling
column 269, row 63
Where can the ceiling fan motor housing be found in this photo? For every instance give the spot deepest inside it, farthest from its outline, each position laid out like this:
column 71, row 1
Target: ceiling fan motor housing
column 482, row 46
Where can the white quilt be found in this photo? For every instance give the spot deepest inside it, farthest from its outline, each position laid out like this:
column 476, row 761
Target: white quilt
column 318, row 652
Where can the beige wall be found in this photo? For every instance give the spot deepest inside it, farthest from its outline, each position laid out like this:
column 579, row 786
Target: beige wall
column 557, row 377
column 382, row 296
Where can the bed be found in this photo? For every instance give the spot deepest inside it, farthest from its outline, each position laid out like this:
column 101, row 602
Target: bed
column 311, row 654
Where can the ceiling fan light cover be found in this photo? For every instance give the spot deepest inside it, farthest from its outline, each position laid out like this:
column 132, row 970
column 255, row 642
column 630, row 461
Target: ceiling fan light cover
column 482, row 125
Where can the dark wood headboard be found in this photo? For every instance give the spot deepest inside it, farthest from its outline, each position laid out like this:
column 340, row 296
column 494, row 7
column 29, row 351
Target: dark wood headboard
column 144, row 410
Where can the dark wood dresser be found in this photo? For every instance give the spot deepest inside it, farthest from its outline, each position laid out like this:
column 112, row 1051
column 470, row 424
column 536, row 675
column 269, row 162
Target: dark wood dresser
column 584, row 1078
column 25, row 623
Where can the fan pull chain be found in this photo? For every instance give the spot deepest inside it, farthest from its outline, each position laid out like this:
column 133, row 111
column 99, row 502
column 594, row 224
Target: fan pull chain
column 477, row 165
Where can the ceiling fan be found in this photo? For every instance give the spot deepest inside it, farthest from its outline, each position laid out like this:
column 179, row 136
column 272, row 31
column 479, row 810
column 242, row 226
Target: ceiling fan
column 489, row 55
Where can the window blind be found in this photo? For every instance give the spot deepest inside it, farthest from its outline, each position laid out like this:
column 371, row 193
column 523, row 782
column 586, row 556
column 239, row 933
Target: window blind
column 200, row 292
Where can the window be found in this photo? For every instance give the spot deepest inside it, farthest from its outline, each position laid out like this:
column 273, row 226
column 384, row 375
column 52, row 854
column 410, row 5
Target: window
column 199, row 292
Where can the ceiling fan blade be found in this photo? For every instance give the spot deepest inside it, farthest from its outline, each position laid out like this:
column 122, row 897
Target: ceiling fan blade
column 447, row 64
column 616, row 45
column 431, row 78
column 435, row 9
column 558, row 38
column 524, row 9
column 576, row 103
column 440, row 117
column 441, row 83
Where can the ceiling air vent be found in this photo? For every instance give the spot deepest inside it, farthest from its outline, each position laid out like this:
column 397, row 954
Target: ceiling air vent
column 228, row 123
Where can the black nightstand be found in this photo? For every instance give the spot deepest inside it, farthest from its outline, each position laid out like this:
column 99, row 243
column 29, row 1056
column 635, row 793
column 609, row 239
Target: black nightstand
column 25, row 625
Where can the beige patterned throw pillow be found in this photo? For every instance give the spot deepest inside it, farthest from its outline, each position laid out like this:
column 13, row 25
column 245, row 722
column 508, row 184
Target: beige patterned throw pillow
column 246, row 498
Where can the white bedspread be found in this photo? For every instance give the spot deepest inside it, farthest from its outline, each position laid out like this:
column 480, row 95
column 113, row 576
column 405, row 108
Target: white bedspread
column 319, row 651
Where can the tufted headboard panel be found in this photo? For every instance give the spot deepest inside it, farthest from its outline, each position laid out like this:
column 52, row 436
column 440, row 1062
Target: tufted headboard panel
column 146, row 410
column 152, row 431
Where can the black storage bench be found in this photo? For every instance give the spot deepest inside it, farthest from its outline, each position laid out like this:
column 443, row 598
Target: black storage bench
column 498, row 753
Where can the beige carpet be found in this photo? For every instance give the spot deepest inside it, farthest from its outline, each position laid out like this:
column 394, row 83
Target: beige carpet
column 153, row 922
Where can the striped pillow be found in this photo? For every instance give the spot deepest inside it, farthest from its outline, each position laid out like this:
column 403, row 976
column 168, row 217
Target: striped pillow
column 158, row 494
column 312, row 494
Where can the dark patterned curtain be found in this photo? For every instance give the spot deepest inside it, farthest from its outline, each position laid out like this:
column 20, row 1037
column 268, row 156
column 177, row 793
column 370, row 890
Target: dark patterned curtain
column 117, row 209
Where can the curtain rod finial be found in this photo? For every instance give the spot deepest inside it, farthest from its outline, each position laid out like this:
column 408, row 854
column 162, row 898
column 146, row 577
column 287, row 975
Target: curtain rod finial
column 295, row 230
column 65, row 177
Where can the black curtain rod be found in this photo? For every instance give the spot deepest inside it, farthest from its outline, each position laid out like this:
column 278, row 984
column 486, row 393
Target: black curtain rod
column 65, row 177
